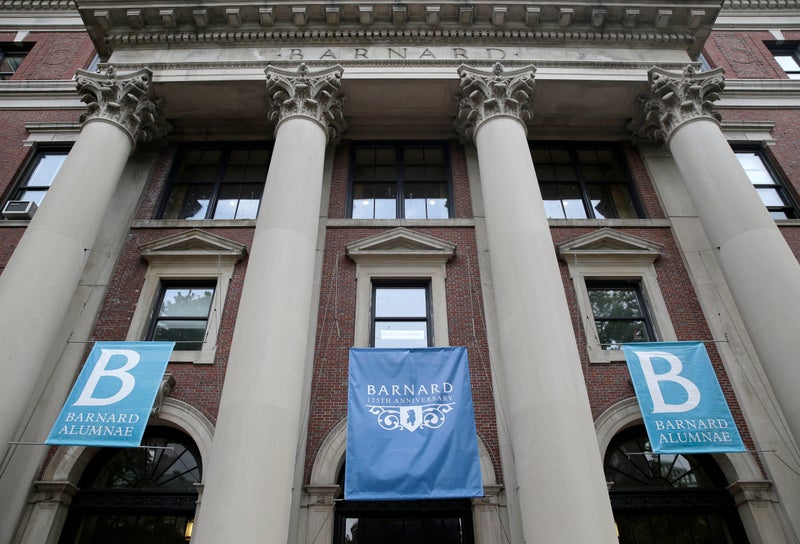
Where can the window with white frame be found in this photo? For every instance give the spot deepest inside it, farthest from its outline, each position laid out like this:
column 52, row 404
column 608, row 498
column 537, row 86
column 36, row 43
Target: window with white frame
column 400, row 291
column 184, row 292
column 617, row 292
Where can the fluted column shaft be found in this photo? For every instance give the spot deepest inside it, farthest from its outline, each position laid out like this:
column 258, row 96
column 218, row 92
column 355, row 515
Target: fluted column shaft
column 249, row 478
column 38, row 283
column 761, row 271
column 552, row 434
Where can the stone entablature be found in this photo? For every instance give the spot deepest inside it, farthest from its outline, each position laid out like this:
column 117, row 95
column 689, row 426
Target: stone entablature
column 121, row 24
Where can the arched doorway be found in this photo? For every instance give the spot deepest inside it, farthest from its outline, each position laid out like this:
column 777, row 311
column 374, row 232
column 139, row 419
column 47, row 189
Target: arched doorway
column 137, row 495
column 402, row 522
column 667, row 498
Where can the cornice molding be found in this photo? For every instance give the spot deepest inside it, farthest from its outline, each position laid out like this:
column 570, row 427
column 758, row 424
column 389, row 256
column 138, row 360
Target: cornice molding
column 129, row 23
column 36, row 5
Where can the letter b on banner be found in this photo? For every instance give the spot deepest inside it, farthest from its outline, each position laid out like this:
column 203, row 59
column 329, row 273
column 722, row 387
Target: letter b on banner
column 126, row 380
column 653, row 380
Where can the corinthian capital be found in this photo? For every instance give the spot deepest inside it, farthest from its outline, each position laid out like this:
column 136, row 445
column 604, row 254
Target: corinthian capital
column 486, row 95
column 677, row 98
column 315, row 96
column 126, row 101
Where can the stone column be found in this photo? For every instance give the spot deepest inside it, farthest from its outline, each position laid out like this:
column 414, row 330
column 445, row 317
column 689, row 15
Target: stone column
column 560, row 473
column 249, row 479
column 761, row 271
column 39, row 281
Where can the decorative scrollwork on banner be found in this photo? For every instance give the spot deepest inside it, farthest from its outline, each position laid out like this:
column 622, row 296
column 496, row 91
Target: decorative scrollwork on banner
column 411, row 418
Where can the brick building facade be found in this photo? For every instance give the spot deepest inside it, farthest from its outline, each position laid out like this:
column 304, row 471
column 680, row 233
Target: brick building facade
column 401, row 144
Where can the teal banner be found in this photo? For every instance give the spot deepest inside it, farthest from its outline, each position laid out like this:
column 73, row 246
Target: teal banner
column 682, row 404
column 111, row 400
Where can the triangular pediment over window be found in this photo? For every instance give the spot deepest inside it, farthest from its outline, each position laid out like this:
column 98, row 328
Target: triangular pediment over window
column 195, row 244
column 609, row 244
column 401, row 243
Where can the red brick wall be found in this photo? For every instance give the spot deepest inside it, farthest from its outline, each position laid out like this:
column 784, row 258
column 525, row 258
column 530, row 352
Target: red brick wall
column 609, row 383
column 54, row 55
column 743, row 55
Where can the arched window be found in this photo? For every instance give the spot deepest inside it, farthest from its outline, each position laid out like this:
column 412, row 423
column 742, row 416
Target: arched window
column 402, row 522
column 668, row 498
column 137, row 495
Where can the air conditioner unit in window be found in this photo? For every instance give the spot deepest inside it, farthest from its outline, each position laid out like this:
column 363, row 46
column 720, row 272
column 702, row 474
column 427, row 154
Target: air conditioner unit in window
column 19, row 209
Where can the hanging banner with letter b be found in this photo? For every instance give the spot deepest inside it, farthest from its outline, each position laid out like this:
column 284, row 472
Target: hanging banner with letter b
column 682, row 403
column 111, row 400
column 410, row 426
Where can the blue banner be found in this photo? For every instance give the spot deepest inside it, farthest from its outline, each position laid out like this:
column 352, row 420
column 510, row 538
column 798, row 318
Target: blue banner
column 410, row 426
column 111, row 400
column 682, row 403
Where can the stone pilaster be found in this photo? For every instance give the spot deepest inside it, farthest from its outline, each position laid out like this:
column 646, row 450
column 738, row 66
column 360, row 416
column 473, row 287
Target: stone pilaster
column 540, row 382
column 257, row 442
column 126, row 101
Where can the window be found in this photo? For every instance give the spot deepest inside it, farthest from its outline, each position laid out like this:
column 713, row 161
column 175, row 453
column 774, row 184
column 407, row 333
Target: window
column 137, row 495
column 410, row 181
column 617, row 292
column 400, row 316
column 400, row 277
column 767, row 184
column 584, row 182
column 217, row 182
column 619, row 313
column 788, row 57
column 181, row 314
column 196, row 261
column 11, row 56
column 668, row 498
column 39, row 175
column 440, row 521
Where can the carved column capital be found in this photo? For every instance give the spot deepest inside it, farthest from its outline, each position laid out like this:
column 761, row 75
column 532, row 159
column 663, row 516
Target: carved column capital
column 677, row 98
column 315, row 96
column 486, row 95
column 126, row 101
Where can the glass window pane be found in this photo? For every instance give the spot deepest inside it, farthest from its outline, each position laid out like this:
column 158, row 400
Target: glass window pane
column 401, row 334
column 787, row 62
column 612, row 333
column 415, row 208
column 186, row 302
column 615, row 303
column 770, row 197
column 226, row 209
column 187, row 334
column 385, row 208
column 33, row 195
column 46, row 169
column 401, row 302
column 197, row 200
column 175, row 202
